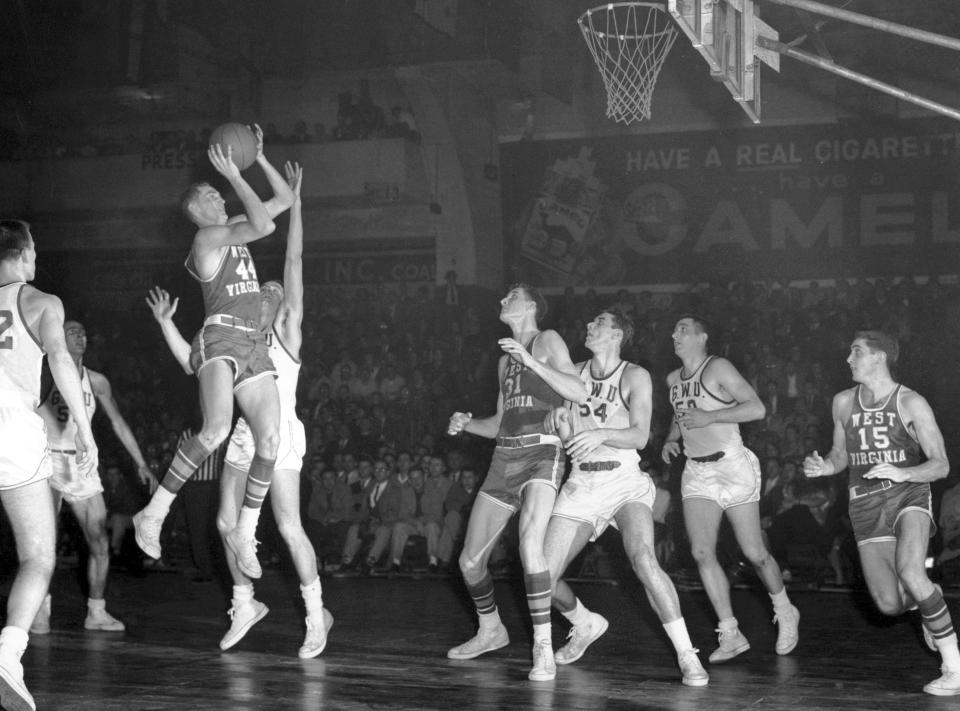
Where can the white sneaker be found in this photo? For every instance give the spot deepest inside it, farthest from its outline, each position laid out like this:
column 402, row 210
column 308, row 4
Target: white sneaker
column 732, row 643
column 103, row 621
column 41, row 623
column 244, row 548
column 146, row 529
column 13, row 692
column 947, row 685
column 544, row 667
column 481, row 643
column 581, row 637
column 788, row 633
column 691, row 669
column 243, row 616
column 316, row 639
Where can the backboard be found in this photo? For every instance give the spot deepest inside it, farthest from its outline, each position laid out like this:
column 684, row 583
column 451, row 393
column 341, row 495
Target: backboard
column 725, row 32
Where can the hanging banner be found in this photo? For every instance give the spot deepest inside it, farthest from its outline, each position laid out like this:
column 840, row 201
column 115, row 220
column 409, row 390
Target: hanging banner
column 785, row 202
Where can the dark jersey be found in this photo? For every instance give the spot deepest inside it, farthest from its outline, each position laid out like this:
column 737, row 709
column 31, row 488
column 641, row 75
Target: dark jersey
column 233, row 289
column 878, row 435
column 526, row 399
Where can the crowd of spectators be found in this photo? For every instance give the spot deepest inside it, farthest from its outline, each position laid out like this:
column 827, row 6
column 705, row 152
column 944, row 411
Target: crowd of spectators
column 384, row 368
column 358, row 118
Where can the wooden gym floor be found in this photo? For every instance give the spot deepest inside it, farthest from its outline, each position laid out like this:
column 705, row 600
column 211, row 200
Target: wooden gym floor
column 387, row 650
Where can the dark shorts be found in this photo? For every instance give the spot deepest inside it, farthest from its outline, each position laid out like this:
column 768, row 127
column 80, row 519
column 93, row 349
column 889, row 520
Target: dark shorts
column 512, row 469
column 245, row 351
column 874, row 516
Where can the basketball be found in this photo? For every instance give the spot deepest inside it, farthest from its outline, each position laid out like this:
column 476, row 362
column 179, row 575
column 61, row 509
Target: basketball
column 240, row 139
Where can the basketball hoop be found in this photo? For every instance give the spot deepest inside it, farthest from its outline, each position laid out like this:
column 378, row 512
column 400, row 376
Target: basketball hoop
column 629, row 42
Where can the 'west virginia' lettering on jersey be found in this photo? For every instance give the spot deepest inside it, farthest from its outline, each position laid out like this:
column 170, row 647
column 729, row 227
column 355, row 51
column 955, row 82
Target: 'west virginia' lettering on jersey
column 233, row 289
column 526, row 399
column 878, row 435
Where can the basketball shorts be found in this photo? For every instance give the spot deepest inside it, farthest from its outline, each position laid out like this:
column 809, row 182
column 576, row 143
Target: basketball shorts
column 594, row 497
column 512, row 469
column 65, row 477
column 730, row 481
column 245, row 351
column 293, row 445
column 23, row 448
column 874, row 516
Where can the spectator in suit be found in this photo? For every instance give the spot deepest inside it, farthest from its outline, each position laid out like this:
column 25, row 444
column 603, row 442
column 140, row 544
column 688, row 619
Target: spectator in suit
column 421, row 514
column 329, row 513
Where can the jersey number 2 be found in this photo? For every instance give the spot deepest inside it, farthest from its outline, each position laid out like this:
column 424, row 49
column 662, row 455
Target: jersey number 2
column 6, row 322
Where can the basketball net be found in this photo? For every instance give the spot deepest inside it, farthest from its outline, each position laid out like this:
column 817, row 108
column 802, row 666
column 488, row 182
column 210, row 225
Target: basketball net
column 629, row 42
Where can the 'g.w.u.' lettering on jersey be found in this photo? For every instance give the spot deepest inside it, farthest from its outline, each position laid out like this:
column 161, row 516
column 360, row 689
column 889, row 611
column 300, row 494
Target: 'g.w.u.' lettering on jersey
column 688, row 393
column 605, row 407
column 233, row 289
column 878, row 435
column 526, row 399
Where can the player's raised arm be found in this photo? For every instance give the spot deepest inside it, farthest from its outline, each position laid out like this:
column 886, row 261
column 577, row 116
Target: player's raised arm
column 256, row 223
column 282, row 190
column 163, row 310
column 66, row 376
column 292, row 307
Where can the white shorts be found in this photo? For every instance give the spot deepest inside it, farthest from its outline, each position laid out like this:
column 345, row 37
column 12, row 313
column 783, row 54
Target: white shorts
column 293, row 445
column 23, row 448
column 66, row 477
column 594, row 498
column 730, row 481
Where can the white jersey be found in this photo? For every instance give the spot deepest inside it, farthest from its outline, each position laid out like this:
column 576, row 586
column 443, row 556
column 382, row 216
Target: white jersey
column 61, row 425
column 288, row 373
column 605, row 407
column 688, row 393
column 20, row 353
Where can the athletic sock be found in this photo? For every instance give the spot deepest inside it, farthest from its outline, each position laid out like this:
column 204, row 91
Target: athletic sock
column 577, row 615
column 780, row 599
column 313, row 598
column 482, row 594
column 935, row 616
column 728, row 624
column 96, row 605
column 248, row 518
column 243, row 594
column 188, row 458
column 258, row 481
column 677, row 632
column 13, row 641
column 538, row 597
column 160, row 502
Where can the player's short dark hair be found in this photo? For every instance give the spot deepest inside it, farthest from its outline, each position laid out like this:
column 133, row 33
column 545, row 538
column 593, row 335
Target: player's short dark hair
column 702, row 325
column 189, row 195
column 877, row 340
column 14, row 238
column 621, row 321
column 534, row 295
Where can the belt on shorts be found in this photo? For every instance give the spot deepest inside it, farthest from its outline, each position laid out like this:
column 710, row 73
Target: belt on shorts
column 63, row 451
column 231, row 322
column 526, row 441
column 715, row 457
column 598, row 466
column 862, row 490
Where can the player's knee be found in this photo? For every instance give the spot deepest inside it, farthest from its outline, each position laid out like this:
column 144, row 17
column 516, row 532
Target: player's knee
column 644, row 561
column 703, row 553
column 290, row 530
column 888, row 603
column 42, row 561
column 214, row 433
column 758, row 557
